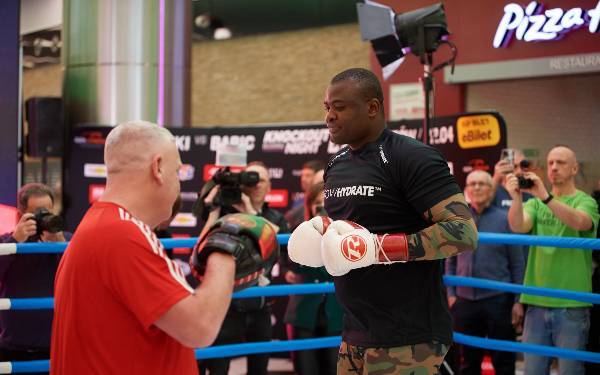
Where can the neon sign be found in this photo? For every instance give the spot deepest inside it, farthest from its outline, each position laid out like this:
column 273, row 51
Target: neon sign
column 533, row 23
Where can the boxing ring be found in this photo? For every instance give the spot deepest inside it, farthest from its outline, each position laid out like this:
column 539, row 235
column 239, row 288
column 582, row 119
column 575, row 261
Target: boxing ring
column 333, row 341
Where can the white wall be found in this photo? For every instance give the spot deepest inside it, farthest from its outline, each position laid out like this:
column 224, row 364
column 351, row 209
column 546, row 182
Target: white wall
column 543, row 112
column 40, row 15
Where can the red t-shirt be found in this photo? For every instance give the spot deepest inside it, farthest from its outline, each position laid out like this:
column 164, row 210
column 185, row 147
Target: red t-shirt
column 112, row 284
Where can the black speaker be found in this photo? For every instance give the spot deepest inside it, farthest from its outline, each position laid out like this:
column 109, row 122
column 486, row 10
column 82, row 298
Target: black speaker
column 46, row 126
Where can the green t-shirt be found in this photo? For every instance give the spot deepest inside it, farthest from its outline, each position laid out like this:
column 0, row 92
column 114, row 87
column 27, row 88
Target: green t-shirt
column 559, row 268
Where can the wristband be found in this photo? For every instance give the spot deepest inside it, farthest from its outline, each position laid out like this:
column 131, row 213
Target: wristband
column 547, row 200
column 393, row 247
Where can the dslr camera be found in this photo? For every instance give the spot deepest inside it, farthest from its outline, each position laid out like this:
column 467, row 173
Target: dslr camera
column 525, row 183
column 231, row 183
column 230, row 192
column 47, row 221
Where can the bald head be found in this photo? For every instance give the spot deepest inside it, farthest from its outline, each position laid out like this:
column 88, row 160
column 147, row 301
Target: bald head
column 562, row 166
column 142, row 162
column 131, row 145
column 567, row 153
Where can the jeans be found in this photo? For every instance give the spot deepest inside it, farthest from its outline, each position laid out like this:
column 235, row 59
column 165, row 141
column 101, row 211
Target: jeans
column 560, row 327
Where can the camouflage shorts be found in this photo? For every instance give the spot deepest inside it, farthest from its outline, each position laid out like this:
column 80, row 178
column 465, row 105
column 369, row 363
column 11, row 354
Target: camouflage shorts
column 419, row 359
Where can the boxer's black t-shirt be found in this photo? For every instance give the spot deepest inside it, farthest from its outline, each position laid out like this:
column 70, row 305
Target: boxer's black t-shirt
column 386, row 186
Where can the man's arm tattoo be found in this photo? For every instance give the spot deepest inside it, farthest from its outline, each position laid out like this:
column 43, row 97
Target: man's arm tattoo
column 453, row 231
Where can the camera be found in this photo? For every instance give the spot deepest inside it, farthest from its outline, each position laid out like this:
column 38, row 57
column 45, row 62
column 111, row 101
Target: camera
column 230, row 183
column 230, row 192
column 525, row 183
column 47, row 221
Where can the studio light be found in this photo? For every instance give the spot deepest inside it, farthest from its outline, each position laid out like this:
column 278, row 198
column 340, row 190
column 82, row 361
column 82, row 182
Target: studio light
column 392, row 35
column 419, row 32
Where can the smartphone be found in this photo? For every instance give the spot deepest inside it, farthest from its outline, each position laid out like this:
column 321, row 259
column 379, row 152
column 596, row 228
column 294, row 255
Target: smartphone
column 508, row 154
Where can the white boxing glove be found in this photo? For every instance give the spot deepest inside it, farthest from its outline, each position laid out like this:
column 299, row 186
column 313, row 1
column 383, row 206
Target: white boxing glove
column 304, row 245
column 347, row 246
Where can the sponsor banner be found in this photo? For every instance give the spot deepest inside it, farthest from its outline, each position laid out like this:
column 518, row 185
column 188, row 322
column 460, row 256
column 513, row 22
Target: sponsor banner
column 189, row 196
column 295, row 141
column 94, row 170
column 184, row 219
column 95, row 192
column 90, row 138
column 407, row 101
column 277, row 198
column 469, row 141
column 186, row 172
column 477, row 131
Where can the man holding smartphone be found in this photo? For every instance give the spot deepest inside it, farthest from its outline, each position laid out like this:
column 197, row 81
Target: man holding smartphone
column 511, row 161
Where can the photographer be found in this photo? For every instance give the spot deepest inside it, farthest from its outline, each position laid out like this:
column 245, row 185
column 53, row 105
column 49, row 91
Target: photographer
column 25, row 335
column 248, row 319
column 511, row 161
column 562, row 211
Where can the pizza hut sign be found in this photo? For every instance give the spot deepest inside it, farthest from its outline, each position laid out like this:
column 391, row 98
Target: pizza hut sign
column 533, row 23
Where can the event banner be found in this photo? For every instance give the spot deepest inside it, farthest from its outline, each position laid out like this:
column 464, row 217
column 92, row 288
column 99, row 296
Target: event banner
column 468, row 141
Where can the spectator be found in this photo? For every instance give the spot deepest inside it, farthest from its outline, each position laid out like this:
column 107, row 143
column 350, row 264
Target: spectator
column 313, row 315
column 295, row 216
column 565, row 211
column 25, row 335
column 485, row 312
column 503, row 167
column 247, row 319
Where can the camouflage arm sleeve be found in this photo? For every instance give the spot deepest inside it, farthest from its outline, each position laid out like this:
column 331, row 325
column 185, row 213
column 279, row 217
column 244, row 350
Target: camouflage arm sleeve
column 453, row 231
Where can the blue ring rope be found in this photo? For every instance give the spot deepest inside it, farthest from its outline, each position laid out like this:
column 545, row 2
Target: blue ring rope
column 285, row 290
column 530, row 240
column 510, row 346
column 236, row 350
column 518, row 289
column 484, row 237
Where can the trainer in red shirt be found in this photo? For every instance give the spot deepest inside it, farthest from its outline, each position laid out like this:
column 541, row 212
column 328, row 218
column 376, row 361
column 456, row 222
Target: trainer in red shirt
column 121, row 306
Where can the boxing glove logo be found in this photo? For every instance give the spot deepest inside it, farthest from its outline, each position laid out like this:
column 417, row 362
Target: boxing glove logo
column 354, row 248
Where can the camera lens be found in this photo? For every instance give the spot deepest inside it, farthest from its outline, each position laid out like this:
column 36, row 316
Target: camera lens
column 52, row 223
column 524, row 164
column 525, row 183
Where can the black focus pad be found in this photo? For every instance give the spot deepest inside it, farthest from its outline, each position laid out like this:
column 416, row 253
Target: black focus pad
column 249, row 264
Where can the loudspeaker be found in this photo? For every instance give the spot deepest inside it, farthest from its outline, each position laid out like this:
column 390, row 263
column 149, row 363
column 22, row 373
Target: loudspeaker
column 46, row 126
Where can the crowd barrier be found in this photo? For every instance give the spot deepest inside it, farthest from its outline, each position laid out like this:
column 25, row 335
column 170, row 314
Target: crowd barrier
column 333, row 341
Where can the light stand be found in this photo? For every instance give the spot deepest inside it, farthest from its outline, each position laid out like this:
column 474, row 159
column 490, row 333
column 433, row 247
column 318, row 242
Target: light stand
column 429, row 87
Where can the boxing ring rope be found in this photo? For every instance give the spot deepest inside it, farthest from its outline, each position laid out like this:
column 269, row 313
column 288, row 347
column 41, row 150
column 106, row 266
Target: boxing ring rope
column 333, row 341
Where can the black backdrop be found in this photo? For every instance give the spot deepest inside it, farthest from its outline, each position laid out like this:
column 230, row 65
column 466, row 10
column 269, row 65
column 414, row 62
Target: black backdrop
column 468, row 141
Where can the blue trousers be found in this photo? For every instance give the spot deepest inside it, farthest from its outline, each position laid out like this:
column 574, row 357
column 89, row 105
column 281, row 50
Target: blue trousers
column 560, row 327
